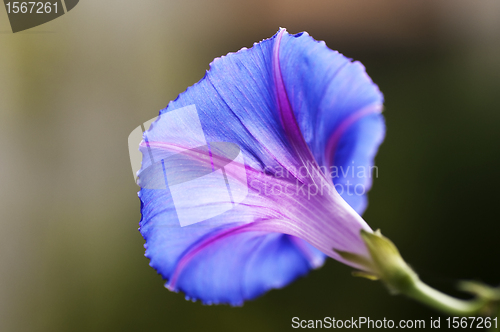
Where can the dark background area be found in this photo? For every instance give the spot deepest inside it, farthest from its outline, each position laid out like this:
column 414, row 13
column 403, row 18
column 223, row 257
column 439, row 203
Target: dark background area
column 71, row 91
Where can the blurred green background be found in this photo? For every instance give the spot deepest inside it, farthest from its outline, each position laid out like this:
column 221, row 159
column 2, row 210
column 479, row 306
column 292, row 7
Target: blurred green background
column 71, row 91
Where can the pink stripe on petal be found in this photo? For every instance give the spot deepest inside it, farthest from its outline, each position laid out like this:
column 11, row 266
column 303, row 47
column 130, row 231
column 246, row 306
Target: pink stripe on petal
column 186, row 258
column 332, row 144
column 287, row 116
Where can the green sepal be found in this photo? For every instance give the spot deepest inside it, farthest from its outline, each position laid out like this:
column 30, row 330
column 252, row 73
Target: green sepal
column 365, row 275
column 387, row 263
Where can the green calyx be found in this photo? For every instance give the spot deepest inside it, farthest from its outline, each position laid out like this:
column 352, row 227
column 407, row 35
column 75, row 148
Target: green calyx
column 387, row 263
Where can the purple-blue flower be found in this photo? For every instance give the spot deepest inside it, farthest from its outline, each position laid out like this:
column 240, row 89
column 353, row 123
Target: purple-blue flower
column 308, row 123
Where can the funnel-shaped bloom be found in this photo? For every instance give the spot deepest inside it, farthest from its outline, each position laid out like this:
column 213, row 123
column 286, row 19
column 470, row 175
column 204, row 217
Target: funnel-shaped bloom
column 306, row 124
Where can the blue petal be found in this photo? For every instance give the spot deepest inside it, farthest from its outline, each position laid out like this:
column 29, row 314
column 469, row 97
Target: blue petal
column 236, row 102
column 254, row 262
column 354, row 160
column 338, row 110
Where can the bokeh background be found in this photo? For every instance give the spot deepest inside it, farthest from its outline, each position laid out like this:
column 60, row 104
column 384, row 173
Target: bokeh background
column 71, row 91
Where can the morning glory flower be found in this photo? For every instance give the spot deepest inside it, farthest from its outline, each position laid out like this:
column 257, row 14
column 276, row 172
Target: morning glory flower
column 306, row 123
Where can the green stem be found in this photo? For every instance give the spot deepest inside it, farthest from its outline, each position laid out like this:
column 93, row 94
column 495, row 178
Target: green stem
column 433, row 298
column 387, row 265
